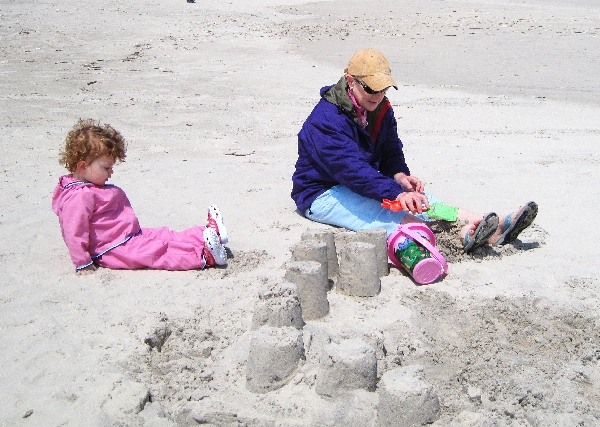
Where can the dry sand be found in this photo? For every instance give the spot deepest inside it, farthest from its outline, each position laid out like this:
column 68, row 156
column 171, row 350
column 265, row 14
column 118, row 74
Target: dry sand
column 498, row 105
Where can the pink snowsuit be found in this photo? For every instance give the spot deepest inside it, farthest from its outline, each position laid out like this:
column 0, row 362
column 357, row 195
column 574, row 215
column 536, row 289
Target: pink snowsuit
column 99, row 226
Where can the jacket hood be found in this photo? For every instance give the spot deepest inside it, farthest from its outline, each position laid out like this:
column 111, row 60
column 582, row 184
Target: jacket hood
column 338, row 95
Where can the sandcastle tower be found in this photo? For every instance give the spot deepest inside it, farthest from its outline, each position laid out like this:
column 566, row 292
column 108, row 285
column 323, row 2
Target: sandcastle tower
column 349, row 365
column 277, row 345
column 310, row 277
column 362, row 261
column 278, row 306
column 324, row 236
column 358, row 274
column 406, row 398
column 273, row 358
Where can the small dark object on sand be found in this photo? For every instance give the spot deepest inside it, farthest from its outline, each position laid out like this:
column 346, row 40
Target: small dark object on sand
column 191, row 1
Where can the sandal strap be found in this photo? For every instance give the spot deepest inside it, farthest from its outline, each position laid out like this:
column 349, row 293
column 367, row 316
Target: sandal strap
column 507, row 221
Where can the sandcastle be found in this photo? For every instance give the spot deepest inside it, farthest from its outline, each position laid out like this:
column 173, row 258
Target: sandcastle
column 288, row 344
column 354, row 263
column 279, row 314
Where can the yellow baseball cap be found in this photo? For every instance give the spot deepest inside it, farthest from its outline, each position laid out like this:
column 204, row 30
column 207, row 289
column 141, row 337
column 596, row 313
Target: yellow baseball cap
column 372, row 68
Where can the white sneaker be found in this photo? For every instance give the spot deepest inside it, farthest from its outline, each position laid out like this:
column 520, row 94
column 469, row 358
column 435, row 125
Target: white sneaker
column 215, row 221
column 215, row 252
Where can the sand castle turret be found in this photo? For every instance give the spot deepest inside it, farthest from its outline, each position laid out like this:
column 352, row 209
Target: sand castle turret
column 273, row 358
column 349, row 365
column 310, row 277
column 406, row 399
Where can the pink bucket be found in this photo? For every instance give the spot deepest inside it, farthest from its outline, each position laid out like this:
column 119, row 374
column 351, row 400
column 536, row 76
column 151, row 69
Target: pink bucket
column 412, row 247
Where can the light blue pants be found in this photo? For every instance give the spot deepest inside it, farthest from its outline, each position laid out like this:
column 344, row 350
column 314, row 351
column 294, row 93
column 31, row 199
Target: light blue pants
column 341, row 207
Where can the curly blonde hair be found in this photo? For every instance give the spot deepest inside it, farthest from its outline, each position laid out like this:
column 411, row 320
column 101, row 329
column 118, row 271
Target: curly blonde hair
column 88, row 140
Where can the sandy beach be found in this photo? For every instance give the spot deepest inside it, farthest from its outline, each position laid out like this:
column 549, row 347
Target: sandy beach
column 498, row 104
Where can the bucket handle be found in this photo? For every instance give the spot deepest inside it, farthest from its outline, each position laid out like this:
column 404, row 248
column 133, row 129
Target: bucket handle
column 411, row 231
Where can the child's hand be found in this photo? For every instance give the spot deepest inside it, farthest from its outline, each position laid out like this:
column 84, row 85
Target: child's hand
column 409, row 182
column 413, row 202
column 87, row 270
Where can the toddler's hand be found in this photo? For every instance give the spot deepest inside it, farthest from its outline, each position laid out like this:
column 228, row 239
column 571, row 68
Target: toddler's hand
column 87, row 270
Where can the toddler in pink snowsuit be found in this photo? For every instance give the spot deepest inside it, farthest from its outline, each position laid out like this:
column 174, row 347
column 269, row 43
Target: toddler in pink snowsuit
column 97, row 221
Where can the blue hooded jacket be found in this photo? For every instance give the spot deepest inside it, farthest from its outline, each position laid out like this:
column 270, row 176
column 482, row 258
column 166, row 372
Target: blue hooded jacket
column 334, row 149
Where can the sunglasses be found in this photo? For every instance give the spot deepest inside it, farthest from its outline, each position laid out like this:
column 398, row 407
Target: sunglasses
column 368, row 89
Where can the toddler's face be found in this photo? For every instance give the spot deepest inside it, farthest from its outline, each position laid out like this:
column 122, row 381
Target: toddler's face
column 99, row 171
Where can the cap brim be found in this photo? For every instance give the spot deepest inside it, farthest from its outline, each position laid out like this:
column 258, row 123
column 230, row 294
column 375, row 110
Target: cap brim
column 379, row 82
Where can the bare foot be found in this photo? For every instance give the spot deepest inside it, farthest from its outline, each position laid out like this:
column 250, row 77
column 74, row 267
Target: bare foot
column 501, row 226
column 480, row 231
column 519, row 221
column 470, row 228
column 471, row 221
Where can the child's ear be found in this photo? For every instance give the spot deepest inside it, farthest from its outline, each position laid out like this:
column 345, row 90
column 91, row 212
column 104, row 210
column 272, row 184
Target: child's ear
column 81, row 165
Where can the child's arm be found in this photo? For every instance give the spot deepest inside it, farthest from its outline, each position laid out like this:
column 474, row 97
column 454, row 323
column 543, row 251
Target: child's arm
column 75, row 216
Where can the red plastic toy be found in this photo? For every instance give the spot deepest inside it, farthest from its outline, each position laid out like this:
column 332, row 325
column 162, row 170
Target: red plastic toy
column 395, row 206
